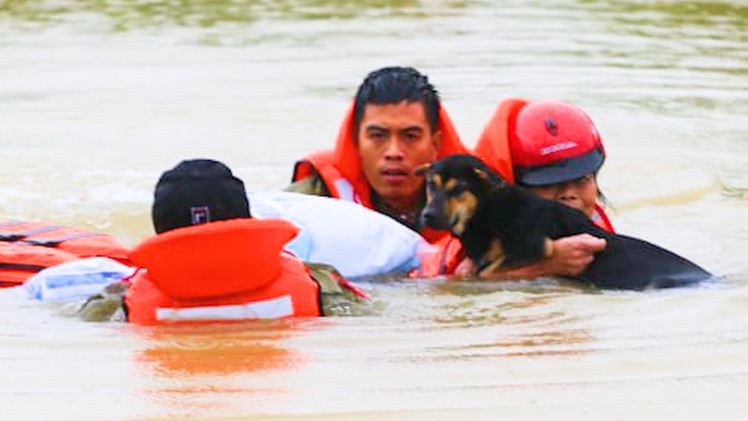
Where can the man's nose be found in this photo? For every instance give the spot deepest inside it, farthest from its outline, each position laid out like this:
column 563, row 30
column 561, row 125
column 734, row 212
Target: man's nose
column 394, row 149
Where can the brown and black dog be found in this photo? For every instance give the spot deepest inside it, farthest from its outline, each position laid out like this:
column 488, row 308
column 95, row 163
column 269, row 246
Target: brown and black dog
column 503, row 226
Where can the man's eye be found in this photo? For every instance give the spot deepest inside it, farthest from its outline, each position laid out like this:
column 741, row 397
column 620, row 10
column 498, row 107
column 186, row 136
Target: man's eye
column 377, row 136
column 412, row 137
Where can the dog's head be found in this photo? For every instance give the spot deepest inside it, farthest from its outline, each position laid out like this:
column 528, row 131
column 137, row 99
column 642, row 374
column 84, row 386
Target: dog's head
column 455, row 187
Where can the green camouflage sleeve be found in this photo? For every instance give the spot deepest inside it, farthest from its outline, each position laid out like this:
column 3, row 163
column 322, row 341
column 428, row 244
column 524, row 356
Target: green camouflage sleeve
column 313, row 185
column 337, row 299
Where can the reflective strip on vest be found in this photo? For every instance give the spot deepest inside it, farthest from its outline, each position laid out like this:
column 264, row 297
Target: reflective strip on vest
column 345, row 189
column 268, row 309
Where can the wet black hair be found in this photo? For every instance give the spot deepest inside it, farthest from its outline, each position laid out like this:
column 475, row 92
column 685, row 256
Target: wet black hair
column 392, row 85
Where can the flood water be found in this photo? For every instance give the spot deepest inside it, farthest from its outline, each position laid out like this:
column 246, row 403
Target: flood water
column 97, row 98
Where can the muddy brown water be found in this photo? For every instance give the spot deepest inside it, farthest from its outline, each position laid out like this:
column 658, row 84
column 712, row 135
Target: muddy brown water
column 97, row 98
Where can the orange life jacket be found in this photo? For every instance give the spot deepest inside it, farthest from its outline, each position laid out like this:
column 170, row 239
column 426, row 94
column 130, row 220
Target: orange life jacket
column 493, row 148
column 342, row 172
column 440, row 258
column 493, row 144
column 220, row 271
column 28, row 247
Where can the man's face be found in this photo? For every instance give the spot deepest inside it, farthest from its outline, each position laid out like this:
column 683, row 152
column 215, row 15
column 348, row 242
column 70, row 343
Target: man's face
column 394, row 140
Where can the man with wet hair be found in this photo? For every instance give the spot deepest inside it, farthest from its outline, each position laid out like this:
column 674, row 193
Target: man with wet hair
column 395, row 125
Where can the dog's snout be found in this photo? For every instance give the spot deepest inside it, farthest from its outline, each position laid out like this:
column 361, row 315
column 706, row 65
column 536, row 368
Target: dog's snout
column 429, row 218
column 432, row 217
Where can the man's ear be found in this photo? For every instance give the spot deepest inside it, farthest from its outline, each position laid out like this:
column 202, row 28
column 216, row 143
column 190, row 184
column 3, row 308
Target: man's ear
column 423, row 169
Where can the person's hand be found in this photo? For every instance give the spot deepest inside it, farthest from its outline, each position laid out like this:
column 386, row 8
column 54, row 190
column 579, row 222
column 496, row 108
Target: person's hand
column 465, row 268
column 571, row 256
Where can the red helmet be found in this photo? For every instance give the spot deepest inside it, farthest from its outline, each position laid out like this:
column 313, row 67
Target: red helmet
column 554, row 142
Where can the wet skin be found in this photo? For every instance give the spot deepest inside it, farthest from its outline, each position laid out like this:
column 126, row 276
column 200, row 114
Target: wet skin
column 580, row 193
column 393, row 140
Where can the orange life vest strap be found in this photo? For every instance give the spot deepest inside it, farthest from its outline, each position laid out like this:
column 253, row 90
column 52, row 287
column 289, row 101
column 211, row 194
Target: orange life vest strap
column 17, row 236
column 57, row 241
column 600, row 218
column 70, row 239
column 19, row 261
column 19, row 266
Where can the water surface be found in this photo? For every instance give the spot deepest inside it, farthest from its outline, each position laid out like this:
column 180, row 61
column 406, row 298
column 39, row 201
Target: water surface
column 97, row 98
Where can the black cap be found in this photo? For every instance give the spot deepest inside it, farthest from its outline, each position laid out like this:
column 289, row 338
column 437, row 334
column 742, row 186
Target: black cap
column 560, row 171
column 197, row 191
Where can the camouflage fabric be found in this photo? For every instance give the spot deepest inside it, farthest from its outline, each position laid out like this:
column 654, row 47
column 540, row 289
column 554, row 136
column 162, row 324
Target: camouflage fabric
column 108, row 305
column 336, row 297
column 313, row 185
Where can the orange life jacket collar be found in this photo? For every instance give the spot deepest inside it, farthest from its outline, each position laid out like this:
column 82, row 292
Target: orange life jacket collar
column 493, row 144
column 240, row 254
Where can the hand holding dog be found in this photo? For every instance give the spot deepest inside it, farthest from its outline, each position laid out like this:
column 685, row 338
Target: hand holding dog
column 571, row 256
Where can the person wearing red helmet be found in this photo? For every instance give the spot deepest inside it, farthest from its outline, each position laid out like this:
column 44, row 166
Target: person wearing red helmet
column 553, row 149
column 557, row 152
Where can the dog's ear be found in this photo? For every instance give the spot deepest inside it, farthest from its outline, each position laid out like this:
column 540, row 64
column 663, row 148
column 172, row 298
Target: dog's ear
column 423, row 169
column 488, row 178
column 481, row 174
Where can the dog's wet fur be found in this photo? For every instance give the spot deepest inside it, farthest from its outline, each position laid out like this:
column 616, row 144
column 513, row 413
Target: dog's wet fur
column 505, row 226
